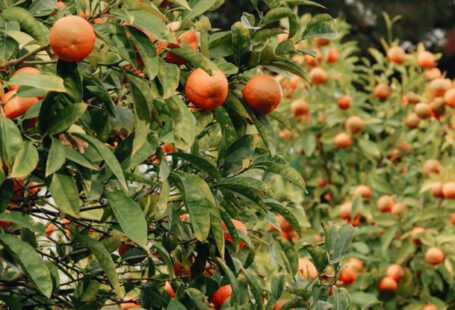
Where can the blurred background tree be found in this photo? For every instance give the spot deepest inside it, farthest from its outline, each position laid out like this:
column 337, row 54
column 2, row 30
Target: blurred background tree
column 428, row 21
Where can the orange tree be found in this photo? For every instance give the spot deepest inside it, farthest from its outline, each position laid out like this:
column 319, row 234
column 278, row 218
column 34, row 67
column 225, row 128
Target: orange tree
column 136, row 166
column 374, row 139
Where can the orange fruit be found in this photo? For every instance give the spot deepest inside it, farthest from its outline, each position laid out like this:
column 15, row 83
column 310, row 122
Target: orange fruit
column 398, row 208
column 188, row 38
column 452, row 218
column 385, row 203
column 433, row 73
column 434, row 256
column 322, row 42
column 412, row 121
column 382, row 91
column 436, row 190
column 167, row 148
column 72, row 38
column 348, row 275
column 285, row 134
column 449, row 97
column 130, row 305
column 355, row 263
column 262, row 93
column 429, row 307
column 205, row 91
column 168, row 288
column 431, row 166
column 415, row 232
column 396, row 54
column 5, row 224
column 395, row 272
column 295, row 82
column 344, row 102
column 61, row 5
column 438, row 87
column 314, row 61
column 448, row 190
column 22, row 70
column 238, row 226
column 16, row 106
column 363, row 191
column 50, row 228
column 354, row 124
column 345, row 211
column 99, row 21
column 221, row 295
column 306, row 269
column 333, row 55
column 422, row 110
column 388, row 285
column 279, row 304
column 300, row 107
column 437, row 107
column 343, row 140
column 318, row 76
column 426, row 60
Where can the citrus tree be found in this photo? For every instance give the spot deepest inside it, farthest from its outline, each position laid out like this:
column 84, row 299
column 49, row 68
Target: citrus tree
column 138, row 159
column 374, row 139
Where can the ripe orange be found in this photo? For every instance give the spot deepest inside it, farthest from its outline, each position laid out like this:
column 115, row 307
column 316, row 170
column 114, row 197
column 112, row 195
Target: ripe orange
column 344, row 102
column 426, row 60
column 437, row 107
column 449, row 190
column 221, row 295
column 205, row 91
column 398, row 208
column 61, row 5
column 412, row 121
column 168, row 288
column 452, row 218
column 280, row 303
column 434, row 256
column 300, row 107
column 167, row 148
column 16, row 106
column 431, row 166
column 382, row 91
column 388, row 285
column 262, row 93
column 433, row 73
column 395, row 272
column 5, row 224
column 72, row 38
column 333, row 55
column 130, row 305
column 354, row 124
column 22, row 70
column 188, row 38
column 238, row 226
column 318, row 76
column 363, row 191
column 385, row 203
column 348, row 275
column 438, row 87
column 294, row 83
column 50, row 228
column 306, row 269
column 415, row 232
column 345, row 211
column 322, row 42
column 396, row 54
column 314, row 61
column 436, row 190
column 355, row 263
column 422, row 110
column 429, row 307
column 343, row 140
column 449, row 97
column 285, row 134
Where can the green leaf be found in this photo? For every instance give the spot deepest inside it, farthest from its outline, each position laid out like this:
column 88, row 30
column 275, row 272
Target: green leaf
column 56, row 157
column 104, row 259
column 148, row 22
column 199, row 8
column 46, row 82
column 146, row 50
column 276, row 14
column 217, row 230
column 31, row 263
column 109, row 158
column 199, row 162
column 290, row 67
column 25, row 162
column 63, row 118
column 284, row 170
column 337, row 240
column 22, row 220
column 198, row 200
column 279, row 208
column 195, row 58
column 198, row 298
column 240, row 36
column 130, row 216
column 10, row 141
column 72, row 80
column 255, row 286
column 168, row 75
column 174, row 304
column 184, row 123
column 142, row 117
column 321, row 26
column 63, row 189
column 232, row 280
column 306, row 2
